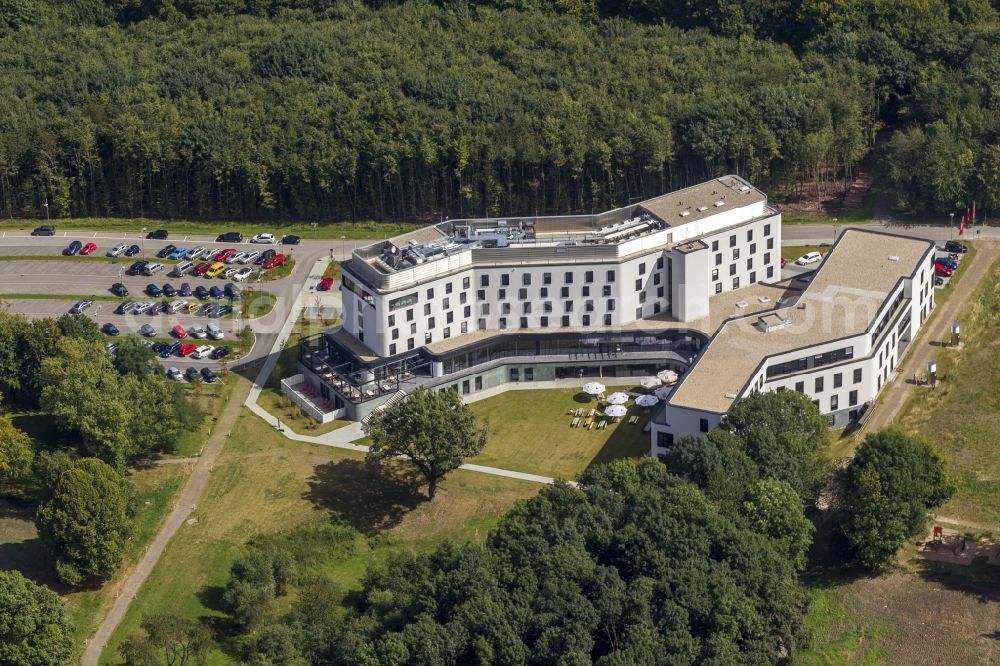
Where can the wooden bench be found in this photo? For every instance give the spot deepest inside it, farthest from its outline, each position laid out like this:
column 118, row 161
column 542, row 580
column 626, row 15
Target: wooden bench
column 575, row 422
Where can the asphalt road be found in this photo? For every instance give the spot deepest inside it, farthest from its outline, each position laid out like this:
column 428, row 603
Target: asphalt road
column 816, row 234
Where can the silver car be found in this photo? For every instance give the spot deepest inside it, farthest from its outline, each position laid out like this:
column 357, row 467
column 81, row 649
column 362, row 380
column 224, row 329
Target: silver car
column 250, row 257
column 117, row 250
column 195, row 252
column 80, row 306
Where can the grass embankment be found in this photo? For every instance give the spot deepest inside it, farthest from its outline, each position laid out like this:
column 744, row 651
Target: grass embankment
column 792, row 252
column 264, row 484
column 530, row 432
column 332, row 231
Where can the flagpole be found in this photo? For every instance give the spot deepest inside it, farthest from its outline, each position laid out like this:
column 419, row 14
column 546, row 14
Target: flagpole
column 951, row 226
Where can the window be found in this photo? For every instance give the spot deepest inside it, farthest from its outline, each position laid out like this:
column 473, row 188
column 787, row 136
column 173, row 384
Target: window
column 586, row 320
column 659, row 263
column 736, row 283
column 482, row 325
column 588, row 276
column 770, row 243
column 505, row 308
column 753, row 276
column 392, row 320
column 857, row 375
column 732, row 269
column 638, row 284
column 503, row 322
column 565, row 320
column 526, row 307
column 427, row 309
column 659, row 292
column 834, row 402
column 838, row 380
column 524, row 322
column 529, row 374
column 447, row 288
column 544, row 292
column 515, row 374
column 588, row 306
column 664, row 440
column 564, row 292
column 522, row 294
column 546, row 278
column 749, row 235
column 732, row 241
column 413, row 329
column 392, row 349
column 800, row 387
column 479, row 383
column 767, row 258
column 656, row 278
column 481, row 294
column 611, row 276
column 430, row 293
column 465, row 283
column 718, row 259
column 770, row 271
column 656, row 308
column 715, row 246
column 749, row 263
column 428, row 338
column 568, row 278
column 430, row 323
column 465, row 327
column 449, row 317
column 753, row 248
column 485, row 309
column 395, row 334
column 585, row 291
column 501, row 294
column 718, row 287
column 463, row 297
column 411, row 343
column 606, row 291
column 736, row 253
column 767, row 229
column 545, row 322
column 611, row 305
column 852, row 398
column 526, row 279
column 819, row 385
column 607, row 320
column 446, row 333
column 642, row 268
column 484, row 280
column 703, row 425
column 547, row 306
column 409, row 315
column 505, row 280
column 568, row 306
column 642, row 297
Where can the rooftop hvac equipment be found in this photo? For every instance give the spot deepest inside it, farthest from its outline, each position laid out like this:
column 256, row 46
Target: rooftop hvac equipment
column 719, row 204
column 702, row 209
column 745, row 188
column 731, row 396
column 685, row 213
column 893, row 257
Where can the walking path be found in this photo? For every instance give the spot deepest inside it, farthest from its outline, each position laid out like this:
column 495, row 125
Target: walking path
column 895, row 395
column 185, row 504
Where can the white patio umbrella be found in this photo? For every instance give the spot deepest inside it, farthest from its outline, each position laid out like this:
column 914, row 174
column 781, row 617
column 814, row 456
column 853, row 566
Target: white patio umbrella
column 646, row 400
column 663, row 393
column 593, row 388
column 618, row 398
column 616, row 410
column 650, row 382
column 667, row 377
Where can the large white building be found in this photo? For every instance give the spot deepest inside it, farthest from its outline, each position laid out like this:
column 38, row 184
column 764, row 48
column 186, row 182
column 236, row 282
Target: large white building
column 475, row 303
column 838, row 340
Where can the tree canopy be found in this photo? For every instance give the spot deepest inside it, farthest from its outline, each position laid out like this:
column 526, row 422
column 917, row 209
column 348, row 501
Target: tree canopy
column 33, row 626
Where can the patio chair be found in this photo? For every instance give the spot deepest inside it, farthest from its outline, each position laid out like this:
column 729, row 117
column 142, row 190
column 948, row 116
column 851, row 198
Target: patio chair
column 591, row 413
column 575, row 422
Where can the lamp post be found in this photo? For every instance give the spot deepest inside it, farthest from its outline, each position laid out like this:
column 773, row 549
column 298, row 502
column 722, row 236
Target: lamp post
column 45, row 204
column 343, row 246
column 951, row 223
column 834, row 231
column 142, row 241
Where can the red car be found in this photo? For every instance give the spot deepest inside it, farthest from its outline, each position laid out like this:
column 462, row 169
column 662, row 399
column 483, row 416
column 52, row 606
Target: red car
column 187, row 349
column 201, row 268
column 783, row 262
column 88, row 248
column 941, row 270
column 225, row 254
column 275, row 261
column 325, row 284
column 179, row 332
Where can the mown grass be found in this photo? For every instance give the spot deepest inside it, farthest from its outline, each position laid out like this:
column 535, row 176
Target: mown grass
column 281, row 407
column 264, row 484
column 792, row 252
column 327, row 230
column 839, row 634
column 530, row 432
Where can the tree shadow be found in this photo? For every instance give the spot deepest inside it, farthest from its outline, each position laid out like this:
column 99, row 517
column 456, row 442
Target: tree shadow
column 978, row 579
column 211, row 597
column 369, row 498
column 583, row 398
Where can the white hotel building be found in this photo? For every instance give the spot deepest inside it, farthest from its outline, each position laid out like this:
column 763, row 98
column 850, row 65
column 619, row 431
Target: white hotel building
column 474, row 304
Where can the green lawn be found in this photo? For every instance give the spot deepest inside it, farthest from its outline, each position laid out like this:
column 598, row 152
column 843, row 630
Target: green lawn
column 327, row 230
column 792, row 252
column 280, row 406
column 282, row 271
column 530, row 432
column 264, row 484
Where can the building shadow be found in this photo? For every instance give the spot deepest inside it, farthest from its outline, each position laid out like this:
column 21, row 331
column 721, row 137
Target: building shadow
column 627, row 440
column 369, row 498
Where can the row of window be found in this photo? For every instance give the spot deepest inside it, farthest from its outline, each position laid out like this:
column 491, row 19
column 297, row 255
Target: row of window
column 732, row 239
column 568, row 277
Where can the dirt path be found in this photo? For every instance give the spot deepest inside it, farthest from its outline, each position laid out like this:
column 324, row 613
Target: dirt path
column 184, row 505
column 895, row 395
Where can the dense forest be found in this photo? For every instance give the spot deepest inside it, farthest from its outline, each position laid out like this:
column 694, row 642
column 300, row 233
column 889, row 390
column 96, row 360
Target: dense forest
column 336, row 109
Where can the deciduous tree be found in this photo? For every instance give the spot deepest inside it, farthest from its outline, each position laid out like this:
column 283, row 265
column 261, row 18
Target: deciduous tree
column 33, row 626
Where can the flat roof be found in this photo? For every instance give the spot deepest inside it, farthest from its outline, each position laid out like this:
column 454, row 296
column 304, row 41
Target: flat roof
column 841, row 300
column 703, row 200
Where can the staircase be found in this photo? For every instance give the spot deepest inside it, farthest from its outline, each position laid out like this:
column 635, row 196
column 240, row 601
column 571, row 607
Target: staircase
column 395, row 398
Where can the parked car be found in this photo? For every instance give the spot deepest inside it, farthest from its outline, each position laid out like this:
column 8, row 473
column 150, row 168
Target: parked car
column 88, row 248
column 175, row 374
column 47, row 230
column 153, row 290
column 947, row 261
column 214, row 332
column 133, row 250
column 80, row 306
column 181, row 268
column 809, row 258
column 290, row 239
column 170, row 350
column 165, row 252
column 119, row 289
column 233, row 291
column 208, row 375
column 162, row 306
column 230, row 237
column 136, row 267
column 186, row 350
column 210, row 253
column 216, row 270
column 222, row 311
column 236, row 258
column 938, row 281
column 325, row 284
column 216, row 291
column 126, row 307
column 194, row 307
column 179, row 332
column 147, row 330
column 243, row 274
column 266, row 239
column 158, row 234
column 195, row 252
column 117, row 250
column 191, row 374
column 941, row 270
column 274, row 261
column 112, row 348
column 210, row 310
column 197, row 332
column 176, row 306
column 168, row 290
column 220, row 353
column 229, row 273
column 179, row 253
column 149, row 269
column 201, row 292
column 110, row 329
column 265, row 256
column 145, row 306
column 185, row 289
column 73, row 248
column 202, row 352
column 157, row 347
column 250, row 257
column 783, row 262
column 955, row 246
column 201, row 269
column 224, row 254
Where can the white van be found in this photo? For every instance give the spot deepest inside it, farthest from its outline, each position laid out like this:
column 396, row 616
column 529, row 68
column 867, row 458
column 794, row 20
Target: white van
column 181, row 268
column 214, row 331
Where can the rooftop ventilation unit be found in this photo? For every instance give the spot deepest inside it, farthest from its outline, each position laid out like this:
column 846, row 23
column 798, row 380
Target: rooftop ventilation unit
column 731, row 396
column 893, row 257
column 685, row 213
column 745, row 188
column 702, row 209
column 719, row 204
